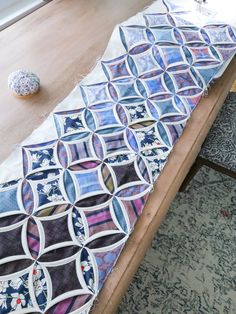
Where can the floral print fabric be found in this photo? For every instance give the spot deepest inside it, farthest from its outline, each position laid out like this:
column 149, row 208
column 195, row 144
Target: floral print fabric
column 81, row 193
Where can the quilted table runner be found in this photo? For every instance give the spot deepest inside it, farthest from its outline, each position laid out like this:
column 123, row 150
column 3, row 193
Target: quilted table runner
column 71, row 193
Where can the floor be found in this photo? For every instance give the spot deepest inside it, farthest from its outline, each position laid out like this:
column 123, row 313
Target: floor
column 191, row 265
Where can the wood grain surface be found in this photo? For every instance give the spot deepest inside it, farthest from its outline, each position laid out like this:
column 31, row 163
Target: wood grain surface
column 233, row 88
column 60, row 42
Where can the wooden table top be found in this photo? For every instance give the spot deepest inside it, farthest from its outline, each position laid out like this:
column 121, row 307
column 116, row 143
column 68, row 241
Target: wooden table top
column 60, row 42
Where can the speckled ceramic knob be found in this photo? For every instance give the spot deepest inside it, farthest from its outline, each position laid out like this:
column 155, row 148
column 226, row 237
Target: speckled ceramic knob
column 23, row 83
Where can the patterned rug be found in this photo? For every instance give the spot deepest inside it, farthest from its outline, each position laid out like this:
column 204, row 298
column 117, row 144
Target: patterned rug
column 191, row 265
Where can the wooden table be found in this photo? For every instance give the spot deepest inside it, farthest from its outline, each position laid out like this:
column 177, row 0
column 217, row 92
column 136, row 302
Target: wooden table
column 61, row 42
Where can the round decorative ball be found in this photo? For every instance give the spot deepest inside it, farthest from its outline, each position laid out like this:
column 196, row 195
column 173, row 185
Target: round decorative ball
column 23, row 83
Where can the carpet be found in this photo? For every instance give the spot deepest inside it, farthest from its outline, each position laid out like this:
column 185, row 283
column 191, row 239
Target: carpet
column 191, row 265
